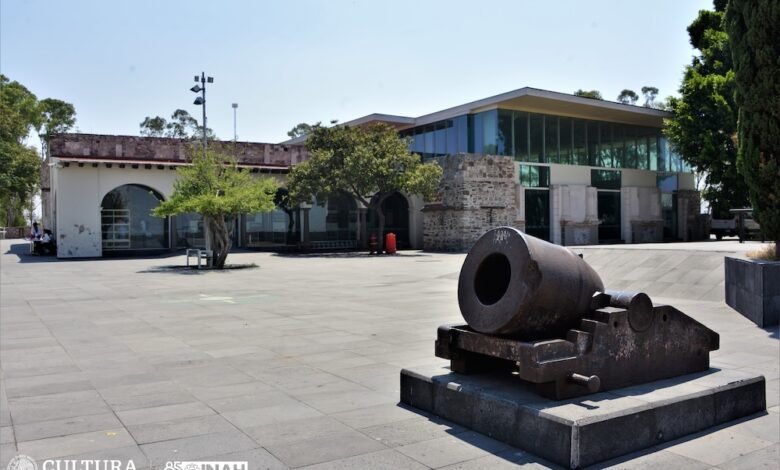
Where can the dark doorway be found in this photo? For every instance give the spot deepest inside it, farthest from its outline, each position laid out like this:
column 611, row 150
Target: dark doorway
column 396, row 210
column 537, row 213
column 609, row 215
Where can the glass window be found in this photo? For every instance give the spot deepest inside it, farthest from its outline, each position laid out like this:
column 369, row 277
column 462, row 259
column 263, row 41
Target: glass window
column 609, row 216
column 551, row 139
column 521, row 136
column 564, row 140
column 439, row 139
column 593, row 143
column 532, row 176
column 605, row 179
column 505, row 133
column 652, row 151
column 490, row 132
column 630, row 143
column 605, row 145
column 537, row 138
column 127, row 222
column 641, row 151
column 429, row 148
column 477, row 134
column 462, row 133
column 452, row 137
column 537, row 213
column 189, row 231
column 267, row 228
column 579, row 146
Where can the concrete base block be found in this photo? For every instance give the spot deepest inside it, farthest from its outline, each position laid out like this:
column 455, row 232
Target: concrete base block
column 586, row 430
column 753, row 289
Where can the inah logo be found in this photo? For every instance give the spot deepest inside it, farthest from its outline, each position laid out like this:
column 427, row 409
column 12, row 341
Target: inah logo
column 22, row 462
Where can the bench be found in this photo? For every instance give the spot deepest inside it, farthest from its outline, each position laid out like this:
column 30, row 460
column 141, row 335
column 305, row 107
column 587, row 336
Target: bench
column 333, row 245
column 201, row 254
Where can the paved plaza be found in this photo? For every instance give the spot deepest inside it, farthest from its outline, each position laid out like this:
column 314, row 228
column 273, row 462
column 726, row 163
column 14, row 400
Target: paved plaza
column 295, row 362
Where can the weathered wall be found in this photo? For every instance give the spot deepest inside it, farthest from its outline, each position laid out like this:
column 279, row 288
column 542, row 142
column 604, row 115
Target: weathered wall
column 574, row 219
column 78, row 193
column 157, row 149
column 477, row 193
column 640, row 216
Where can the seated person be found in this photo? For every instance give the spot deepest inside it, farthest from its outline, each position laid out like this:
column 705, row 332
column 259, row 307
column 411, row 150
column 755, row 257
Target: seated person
column 35, row 233
column 46, row 245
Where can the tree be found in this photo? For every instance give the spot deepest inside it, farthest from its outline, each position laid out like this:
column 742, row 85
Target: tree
column 181, row 126
column 650, row 93
column 217, row 189
column 21, row 112
column 627, row 97
column 301, row 129
column 282, row 201
column 754, row 36
column 366, row 163
column 705, row 115
column 593, row 94
column 153, row 127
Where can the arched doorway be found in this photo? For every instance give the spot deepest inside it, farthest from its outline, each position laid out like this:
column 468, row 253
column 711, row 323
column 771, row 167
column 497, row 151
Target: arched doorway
column 396, row 210
column 127, row 223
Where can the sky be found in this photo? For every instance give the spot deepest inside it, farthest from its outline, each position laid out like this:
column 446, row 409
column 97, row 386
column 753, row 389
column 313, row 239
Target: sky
column 286, row 62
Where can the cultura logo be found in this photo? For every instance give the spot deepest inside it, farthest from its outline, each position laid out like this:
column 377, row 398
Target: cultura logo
column 22, row 462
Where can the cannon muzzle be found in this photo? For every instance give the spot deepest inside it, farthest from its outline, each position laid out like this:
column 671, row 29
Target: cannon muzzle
column 514, row 284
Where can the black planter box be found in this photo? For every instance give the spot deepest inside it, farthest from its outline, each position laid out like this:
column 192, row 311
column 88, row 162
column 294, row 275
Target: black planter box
column 753, row 289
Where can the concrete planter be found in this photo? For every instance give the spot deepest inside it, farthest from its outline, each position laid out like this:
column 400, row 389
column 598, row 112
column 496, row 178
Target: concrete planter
column 753, row 289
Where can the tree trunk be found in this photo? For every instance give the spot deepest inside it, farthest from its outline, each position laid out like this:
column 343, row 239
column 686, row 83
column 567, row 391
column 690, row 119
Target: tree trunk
column 380, row 215
column 217, row 239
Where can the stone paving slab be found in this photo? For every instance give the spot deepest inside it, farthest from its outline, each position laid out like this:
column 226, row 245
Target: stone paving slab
column 308, row 329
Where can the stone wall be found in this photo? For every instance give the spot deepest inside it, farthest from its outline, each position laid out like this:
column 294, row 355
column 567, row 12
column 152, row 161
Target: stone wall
column 476, row 193
column 159, row 149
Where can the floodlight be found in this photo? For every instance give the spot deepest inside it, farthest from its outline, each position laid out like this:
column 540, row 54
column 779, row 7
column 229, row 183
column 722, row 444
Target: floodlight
column 199, row 101
column 196, row 89
column 210, row 79
column 197, row 79
column 234, row 105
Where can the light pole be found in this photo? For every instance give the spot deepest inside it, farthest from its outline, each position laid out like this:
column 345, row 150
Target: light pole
column 201, row 100
column 235, row 136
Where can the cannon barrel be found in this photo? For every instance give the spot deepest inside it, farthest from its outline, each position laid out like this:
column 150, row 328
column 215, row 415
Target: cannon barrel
column 514, row 284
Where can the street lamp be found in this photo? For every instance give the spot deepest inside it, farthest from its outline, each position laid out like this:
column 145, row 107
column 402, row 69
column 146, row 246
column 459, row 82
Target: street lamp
column 201, row 100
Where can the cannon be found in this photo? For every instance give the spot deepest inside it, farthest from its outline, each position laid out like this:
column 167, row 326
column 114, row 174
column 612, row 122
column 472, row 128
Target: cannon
column 540, row 312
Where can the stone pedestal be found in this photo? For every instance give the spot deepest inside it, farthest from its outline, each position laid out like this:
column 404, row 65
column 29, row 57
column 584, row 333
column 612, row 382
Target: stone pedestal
column 590, row 429
column 753, row 289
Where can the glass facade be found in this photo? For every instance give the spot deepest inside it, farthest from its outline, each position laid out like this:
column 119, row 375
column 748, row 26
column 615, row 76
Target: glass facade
column 127, row 222
column 544, row 138
column 189, row 231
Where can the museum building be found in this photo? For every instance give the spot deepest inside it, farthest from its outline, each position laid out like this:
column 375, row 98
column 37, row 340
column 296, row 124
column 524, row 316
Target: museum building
column 567, row 169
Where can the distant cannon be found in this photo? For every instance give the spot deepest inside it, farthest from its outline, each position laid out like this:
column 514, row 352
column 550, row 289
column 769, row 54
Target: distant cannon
column 541, row 311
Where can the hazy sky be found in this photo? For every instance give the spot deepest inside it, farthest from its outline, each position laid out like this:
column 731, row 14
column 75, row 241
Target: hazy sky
column 287, row 62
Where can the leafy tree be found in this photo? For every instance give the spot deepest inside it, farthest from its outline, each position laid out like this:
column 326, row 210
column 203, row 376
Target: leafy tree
column 301, row 129
column 705, row 115
column 650, row 93
column 366, row 163
column 627, row 97
column 181, row 126
column 754, row 35
column 593, row 94
column 154, row 127
column 21, row 112
column 216, row 188
column 282, row 201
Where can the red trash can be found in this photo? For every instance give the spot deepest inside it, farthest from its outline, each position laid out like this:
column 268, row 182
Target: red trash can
column 390, row 244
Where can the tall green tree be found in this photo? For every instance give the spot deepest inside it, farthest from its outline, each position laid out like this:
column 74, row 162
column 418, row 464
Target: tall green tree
column 182, row 125
column 593, row 94
column 627, row 97
column 21, row 113
column 216, row 188
column 650, row 93
column 366, row 163
column 705, row 115
column 754, row 35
